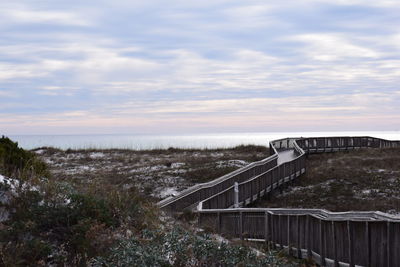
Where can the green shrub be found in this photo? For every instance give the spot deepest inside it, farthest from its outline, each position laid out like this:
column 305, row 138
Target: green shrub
column 18, row 163
column 182, row 248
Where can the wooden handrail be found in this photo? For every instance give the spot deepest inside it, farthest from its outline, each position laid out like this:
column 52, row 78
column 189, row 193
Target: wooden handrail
column 334, row 238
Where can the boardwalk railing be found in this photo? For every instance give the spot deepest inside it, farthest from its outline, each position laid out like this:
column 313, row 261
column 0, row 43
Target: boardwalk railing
column 258, row 186
column 193, row 195
column 337, row 239
column 330, row 238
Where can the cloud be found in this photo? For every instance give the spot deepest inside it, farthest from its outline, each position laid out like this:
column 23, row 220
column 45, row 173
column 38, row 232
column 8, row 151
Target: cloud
column 330, row 47
column 9, row 94
column 38, row 16
column 199, row 64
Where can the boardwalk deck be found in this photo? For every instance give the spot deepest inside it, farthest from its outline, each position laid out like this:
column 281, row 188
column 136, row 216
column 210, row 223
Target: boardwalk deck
column 330, row 238
column 286, row 156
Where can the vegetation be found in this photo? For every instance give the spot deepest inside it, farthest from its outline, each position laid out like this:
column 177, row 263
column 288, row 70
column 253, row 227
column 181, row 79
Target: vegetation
column 366, row 179
column 184, row 249
column 151, row 171
column 49, row 221
column 18, row 163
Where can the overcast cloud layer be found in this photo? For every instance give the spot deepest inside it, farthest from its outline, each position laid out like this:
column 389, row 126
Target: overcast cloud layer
column 198, row 66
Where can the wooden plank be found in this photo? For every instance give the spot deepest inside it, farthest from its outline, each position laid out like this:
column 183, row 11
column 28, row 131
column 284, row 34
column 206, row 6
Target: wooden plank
column 279, row 239
column 308, row 235
column 241, row 225
column 368, row 240
column 219, row 222
column 273, row 235
column 288, row 235
column 298, row 236
column 335, row 257
column 321, row 243
column 266, row 225
column 388, row 244
column 350, row 243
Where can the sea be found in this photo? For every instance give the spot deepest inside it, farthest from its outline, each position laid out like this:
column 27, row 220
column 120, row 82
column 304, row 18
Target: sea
column 201, row 141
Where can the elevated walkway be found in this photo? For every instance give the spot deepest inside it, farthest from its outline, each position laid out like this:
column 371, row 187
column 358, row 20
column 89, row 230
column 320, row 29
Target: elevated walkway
column 331, row 239
column 286, row 155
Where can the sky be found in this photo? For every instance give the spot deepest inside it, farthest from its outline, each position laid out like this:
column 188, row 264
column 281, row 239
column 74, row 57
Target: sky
column 180, row 66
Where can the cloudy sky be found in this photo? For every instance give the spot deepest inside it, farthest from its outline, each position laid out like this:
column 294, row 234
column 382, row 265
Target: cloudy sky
column 127, row 66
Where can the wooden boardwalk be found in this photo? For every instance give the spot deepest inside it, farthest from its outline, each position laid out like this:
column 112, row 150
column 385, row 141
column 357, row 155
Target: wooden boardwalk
column 330, row 238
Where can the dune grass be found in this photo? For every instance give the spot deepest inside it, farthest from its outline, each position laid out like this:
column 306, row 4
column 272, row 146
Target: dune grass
column 366, row 179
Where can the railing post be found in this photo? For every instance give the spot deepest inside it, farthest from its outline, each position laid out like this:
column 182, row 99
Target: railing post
column 321, row 243
column 236, row 195
column 280, row 238
column 219, row 222
column 288, row 235
column 388, row 244
column 241, row 225
column 298, row 237
column 335, row 258
column 251, row 191
column 266, row 232
column 368, row 240
column 308, row 237
column 273, row 234
column 350, row 244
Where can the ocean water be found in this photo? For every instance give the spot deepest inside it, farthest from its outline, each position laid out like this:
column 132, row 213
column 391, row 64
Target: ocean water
column 142, row 142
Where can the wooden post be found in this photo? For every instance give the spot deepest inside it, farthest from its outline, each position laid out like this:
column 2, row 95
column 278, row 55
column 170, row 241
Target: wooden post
column 219, row 222
column 241, row 225
column 368, row 240
column 236, row 195
column 273, row 235
column 266, row 224
column 288, row 235
column 388, row 244
column 321, row 243
column 251, row 191
column 298, row 237
column 279, row 239
column 350, row 244
column 336, row 262
column 308, row 237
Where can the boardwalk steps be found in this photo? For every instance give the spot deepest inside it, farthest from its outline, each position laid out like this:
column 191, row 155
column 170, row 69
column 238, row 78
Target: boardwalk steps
column 330, row 238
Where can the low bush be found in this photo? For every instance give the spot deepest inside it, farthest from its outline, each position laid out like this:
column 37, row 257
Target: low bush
column 58, row 222
column 19, row 163
column 51, row 222
column 182, row 248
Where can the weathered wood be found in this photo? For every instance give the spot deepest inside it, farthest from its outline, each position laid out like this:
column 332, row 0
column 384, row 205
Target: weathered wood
column 288, row 235
column 279, row 230
column 266, row 226
column 241, row 225
column 321, row 243
column 368, row 245
column 273, row 236
column 350, row 245
column 308, row 235
column 270, row 224
column 298, row 243
column 219, row 222
column 388, row 244
column 335, row 257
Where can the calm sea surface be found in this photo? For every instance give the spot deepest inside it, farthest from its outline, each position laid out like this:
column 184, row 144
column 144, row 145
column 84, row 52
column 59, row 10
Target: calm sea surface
column 140, row 142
